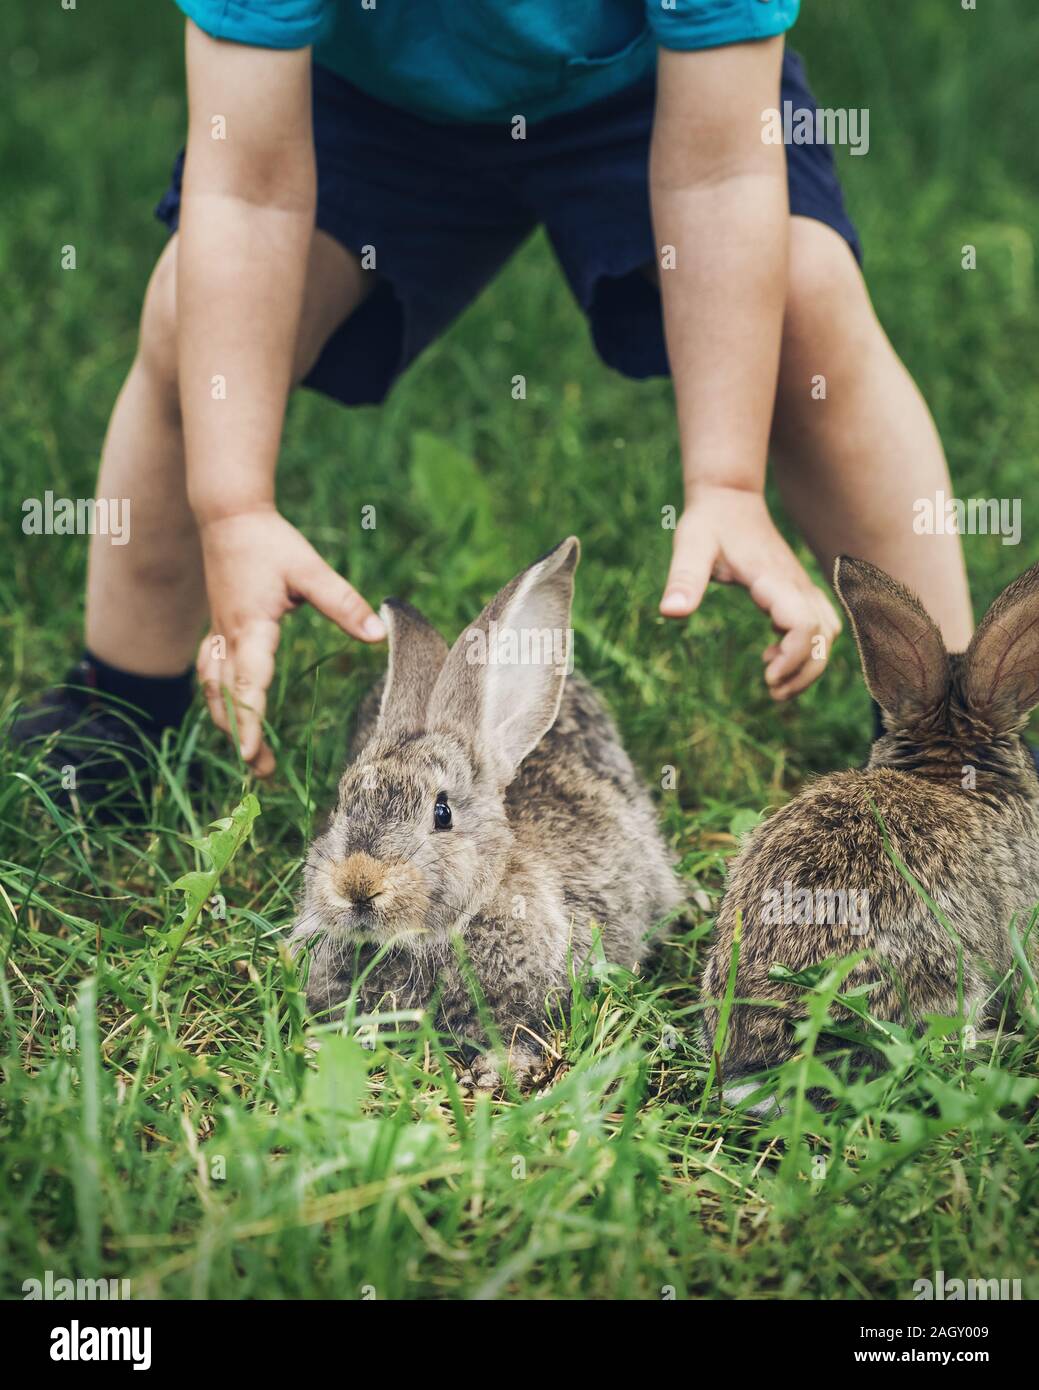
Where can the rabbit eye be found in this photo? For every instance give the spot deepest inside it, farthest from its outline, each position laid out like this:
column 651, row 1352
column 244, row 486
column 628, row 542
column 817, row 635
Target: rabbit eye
column 441, row 813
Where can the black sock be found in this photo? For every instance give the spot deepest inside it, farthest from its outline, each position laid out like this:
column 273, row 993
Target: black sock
column 164, row 699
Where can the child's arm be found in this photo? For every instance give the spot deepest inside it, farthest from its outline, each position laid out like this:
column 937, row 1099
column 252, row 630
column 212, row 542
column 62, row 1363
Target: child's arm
column 247, row 217
column 719, row 198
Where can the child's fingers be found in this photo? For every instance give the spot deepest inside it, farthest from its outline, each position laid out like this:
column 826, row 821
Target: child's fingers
column 254, row 671
column 802, row 656
column 794, row 652
column 339, row 601
column 215, row 703
column 793, row 613
column 247, row 687
column 800, row 680
column 691, row 564
column 207, row 668
column 263, row 764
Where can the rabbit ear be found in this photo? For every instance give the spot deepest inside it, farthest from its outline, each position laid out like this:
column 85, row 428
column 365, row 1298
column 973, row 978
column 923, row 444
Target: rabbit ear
column 1001, row 682
column 904, row 661
column 417, row 653
column 504, row 677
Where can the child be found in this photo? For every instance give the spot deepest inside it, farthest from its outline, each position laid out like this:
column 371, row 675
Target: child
column 434, row 135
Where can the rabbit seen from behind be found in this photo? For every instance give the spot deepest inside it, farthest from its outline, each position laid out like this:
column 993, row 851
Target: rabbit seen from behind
column 955, row 788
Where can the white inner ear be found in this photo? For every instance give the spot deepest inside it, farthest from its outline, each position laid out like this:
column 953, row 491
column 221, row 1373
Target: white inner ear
column 528, row 656
column 387, row 689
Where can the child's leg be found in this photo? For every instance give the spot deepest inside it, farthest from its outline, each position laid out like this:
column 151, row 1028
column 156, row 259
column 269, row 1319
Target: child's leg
column 850, row 467
column 146, row 599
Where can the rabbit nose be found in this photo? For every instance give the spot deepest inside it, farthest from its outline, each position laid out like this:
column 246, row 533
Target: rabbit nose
column 359, row 878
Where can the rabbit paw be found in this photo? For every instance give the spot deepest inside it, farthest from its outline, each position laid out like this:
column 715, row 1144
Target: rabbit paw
column 766, row 1109
column 488, row 1071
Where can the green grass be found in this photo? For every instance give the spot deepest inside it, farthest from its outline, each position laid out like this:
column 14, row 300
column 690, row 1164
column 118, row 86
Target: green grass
column 180, row 1133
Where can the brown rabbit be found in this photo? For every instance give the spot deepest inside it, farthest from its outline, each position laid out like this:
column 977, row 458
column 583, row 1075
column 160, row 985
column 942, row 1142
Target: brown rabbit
column 491, row 803
column 957, row 791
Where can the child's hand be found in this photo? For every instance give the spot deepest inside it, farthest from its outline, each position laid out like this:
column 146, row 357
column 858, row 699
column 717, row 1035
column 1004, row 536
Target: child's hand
column 258, row 567
column 727, row 534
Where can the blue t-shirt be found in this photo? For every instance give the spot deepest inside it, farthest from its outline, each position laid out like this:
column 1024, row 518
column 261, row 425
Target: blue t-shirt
column 490, row 60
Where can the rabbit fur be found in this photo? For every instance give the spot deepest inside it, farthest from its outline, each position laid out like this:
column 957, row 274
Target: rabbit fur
column 956, row 789
column 552, row 832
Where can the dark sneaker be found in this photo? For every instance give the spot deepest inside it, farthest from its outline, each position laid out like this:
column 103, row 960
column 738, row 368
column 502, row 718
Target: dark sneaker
column 88, row 749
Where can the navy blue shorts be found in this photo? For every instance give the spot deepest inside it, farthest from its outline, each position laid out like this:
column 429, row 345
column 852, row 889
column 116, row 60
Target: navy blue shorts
column 446, row 205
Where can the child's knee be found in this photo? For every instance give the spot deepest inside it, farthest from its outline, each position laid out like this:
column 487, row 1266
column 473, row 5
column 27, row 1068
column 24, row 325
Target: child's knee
column 829, row 327
column 157, row 343
column 826, row 294
column 165, row 561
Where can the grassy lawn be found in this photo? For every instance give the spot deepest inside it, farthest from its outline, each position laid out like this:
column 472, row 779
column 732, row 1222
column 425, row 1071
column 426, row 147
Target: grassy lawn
column 162, row 1119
